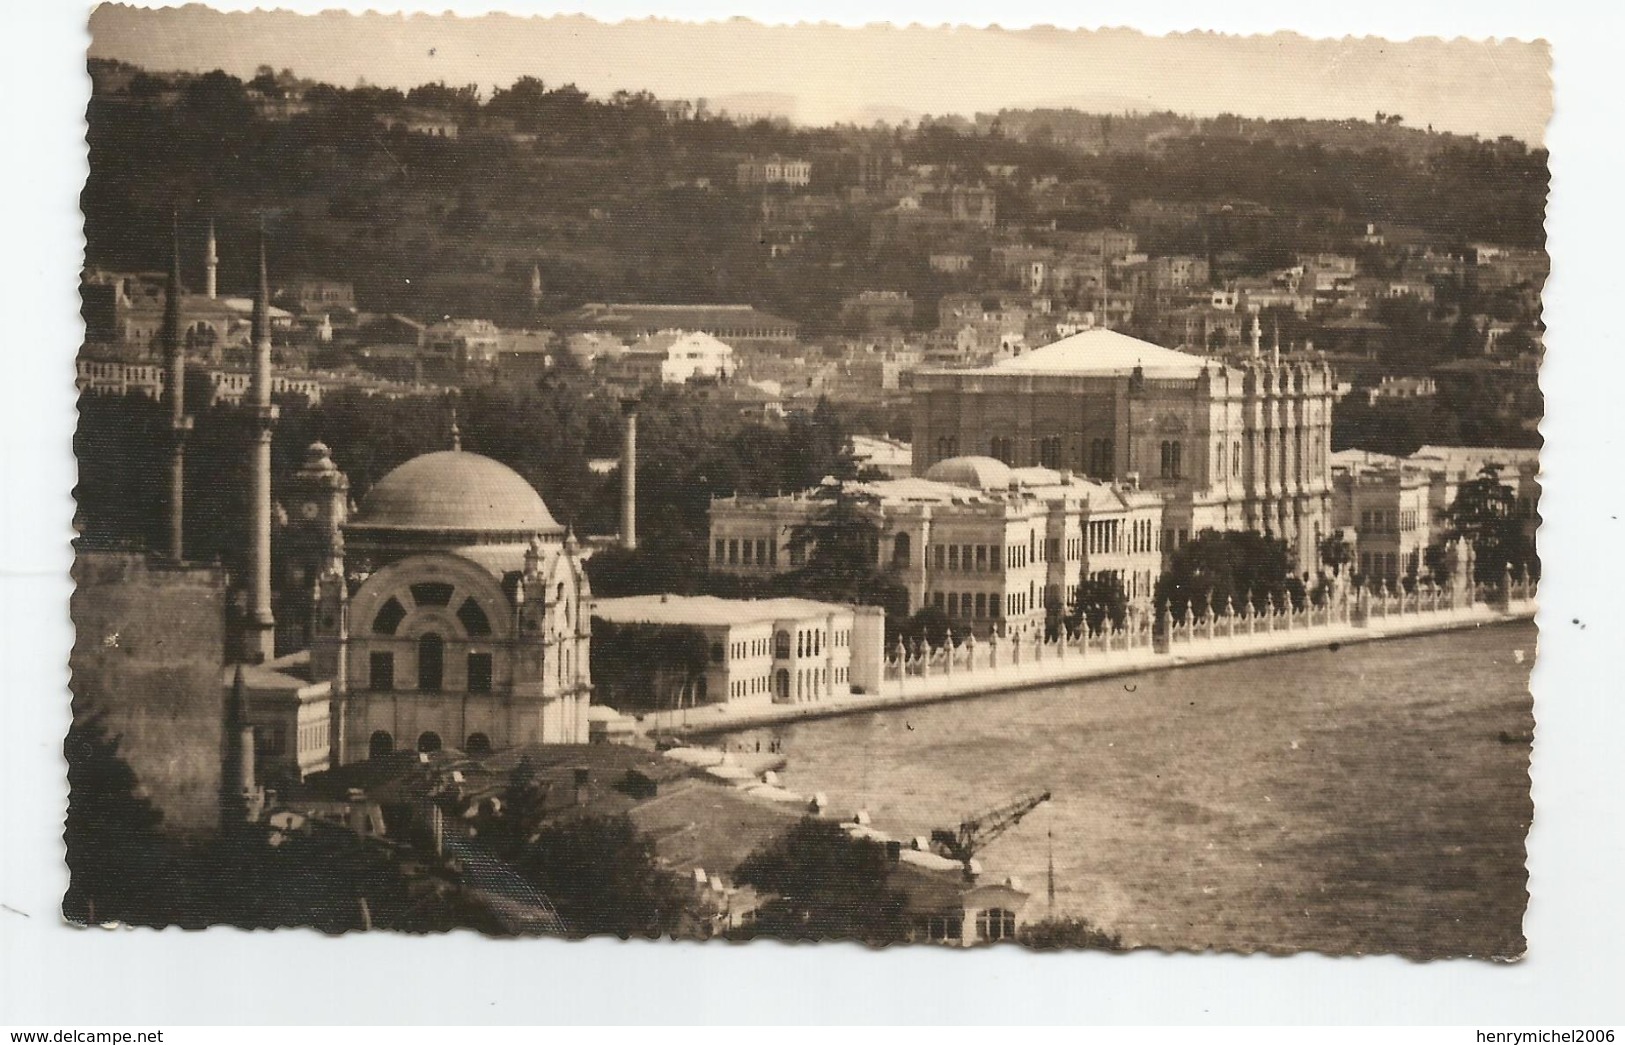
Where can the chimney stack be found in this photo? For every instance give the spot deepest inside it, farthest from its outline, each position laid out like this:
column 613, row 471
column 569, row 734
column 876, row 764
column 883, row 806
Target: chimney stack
column 259, row 630
column 629, row 476
column 175, row 391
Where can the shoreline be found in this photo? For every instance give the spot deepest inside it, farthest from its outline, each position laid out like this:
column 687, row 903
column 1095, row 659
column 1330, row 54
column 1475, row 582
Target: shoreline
column 721, row 720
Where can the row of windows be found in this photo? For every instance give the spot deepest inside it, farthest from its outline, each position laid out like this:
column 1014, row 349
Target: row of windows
column 991, row 926
column 1174, row 539
column 981, row 605
column 962, row 557
column 431, row 667
column 761, row 552
column 1387, row 565
column 382, row 743
column 432, row 594
column 1380, row 520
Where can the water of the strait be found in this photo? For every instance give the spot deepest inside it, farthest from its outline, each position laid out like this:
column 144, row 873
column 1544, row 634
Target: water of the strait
column 1370, row 798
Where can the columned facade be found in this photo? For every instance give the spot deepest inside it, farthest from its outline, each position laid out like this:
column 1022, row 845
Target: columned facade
column 1226, row 447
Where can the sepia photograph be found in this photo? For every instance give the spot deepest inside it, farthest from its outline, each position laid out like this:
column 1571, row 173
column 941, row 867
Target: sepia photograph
column 721, row 481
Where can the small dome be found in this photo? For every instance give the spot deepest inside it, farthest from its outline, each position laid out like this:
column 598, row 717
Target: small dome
column 458, row 493
column 981, row 473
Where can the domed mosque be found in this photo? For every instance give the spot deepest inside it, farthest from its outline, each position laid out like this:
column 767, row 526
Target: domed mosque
column 452, row 615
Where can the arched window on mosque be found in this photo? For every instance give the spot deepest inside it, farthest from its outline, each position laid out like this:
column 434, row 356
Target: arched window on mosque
column 429, row 742
column 478, row 744
column 390, row 615
column 380, row 744
column 473, row 619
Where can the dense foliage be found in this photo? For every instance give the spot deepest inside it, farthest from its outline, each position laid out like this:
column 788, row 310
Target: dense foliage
column 827, row 886
column 603, row 878
column 1485, row 513
column 646, row 666
column 1232, row 566
column 605, row 194
column 1067, row 934
column 1099, row 601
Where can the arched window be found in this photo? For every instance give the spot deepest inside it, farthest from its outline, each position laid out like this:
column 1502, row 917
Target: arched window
column 1108, row 459
column 431, row 661
column 701, row 688
column 1167, row 460
column 380, row 744
column 900, row 551
column 716, row 653
column 781, row 684
column 429, row 742
column 473, row 618
column 478, row 744
column 781, row 645
column 432, row 593
column 390, row 615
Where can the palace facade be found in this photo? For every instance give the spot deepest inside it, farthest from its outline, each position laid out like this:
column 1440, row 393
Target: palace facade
column 1226, row 447
column 995, row 548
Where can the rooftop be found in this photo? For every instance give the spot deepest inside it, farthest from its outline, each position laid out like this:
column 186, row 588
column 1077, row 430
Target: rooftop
column 455, row 492
column 707, row 609
column 1100, row 352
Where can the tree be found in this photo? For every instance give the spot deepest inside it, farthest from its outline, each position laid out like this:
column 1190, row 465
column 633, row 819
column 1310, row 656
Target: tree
column 1067, row 934
column 929, row 625
column 603, row 878
column 827, row 886
column 648, row 666
column 1485, row 513
column 1229, row 565
column 116, row 859
column 1336, row 551
column 839, row 546
column 1099, row 600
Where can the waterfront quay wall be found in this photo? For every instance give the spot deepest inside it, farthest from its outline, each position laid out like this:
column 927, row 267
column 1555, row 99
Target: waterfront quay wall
column 961, row 670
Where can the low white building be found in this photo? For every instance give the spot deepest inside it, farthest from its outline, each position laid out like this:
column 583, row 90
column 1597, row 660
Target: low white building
column 758, row 651
column 672, row 357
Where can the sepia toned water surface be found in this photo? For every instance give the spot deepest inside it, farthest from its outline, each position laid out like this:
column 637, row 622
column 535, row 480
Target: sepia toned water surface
column 1374, row 798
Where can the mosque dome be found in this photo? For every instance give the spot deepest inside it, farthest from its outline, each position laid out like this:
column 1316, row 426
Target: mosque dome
column 457, row 493
column 981, row 473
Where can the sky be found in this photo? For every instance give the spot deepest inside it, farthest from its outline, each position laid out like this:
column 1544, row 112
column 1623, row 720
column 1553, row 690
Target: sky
column 824, row 73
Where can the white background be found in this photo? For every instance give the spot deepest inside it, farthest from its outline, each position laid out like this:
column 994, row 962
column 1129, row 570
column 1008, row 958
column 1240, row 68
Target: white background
column 54, row 976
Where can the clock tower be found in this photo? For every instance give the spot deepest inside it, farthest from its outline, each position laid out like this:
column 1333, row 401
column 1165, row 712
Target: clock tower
column 315, row 503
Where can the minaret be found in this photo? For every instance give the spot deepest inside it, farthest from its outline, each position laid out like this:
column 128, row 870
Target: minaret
column 1275, row 353
column 241, row 799
column 535, row 287
column 211, row 264
column 259, row 629
column 175, row 391
column 1258, row 337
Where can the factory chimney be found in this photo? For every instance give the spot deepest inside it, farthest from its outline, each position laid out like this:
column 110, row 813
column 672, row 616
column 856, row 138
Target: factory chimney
column 259, row 630
column 175, row 392
column 629, row 476
column 211, row 264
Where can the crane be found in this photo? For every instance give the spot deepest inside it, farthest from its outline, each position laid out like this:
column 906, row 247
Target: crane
column 977, row 831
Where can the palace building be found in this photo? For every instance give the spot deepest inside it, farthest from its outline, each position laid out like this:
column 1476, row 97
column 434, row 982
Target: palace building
column 1227, row 447
column 995, row 548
